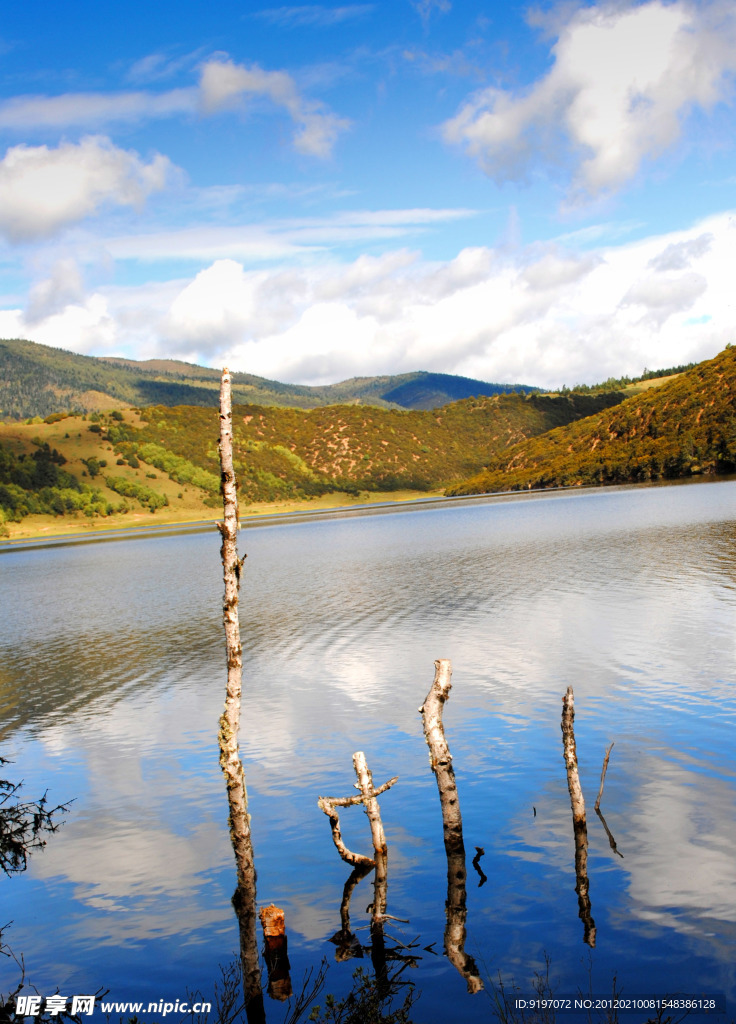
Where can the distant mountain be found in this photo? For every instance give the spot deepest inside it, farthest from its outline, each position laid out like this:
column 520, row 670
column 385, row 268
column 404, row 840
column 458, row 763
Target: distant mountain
column 36, row 380
column 685, row 426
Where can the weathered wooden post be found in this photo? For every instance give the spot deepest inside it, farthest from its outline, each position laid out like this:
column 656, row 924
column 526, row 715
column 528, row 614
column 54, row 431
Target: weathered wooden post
column 244, row 899
column 577, row 802
column 276, row 952
column 452, row 825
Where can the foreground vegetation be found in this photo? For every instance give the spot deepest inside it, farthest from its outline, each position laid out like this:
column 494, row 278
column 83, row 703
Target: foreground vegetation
column 684, row 427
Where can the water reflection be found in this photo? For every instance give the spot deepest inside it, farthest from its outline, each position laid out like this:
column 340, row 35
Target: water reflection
column 628, row 595
column 440, row 761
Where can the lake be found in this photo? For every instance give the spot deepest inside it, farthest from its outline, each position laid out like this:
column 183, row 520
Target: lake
column 112, row 671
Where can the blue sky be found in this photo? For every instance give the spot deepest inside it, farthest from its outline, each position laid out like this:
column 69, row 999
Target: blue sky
column 318, row 191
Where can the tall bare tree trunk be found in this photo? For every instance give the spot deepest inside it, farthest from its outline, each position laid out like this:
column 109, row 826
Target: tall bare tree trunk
column 244, row 899
column 452, row 826
column 580, row 828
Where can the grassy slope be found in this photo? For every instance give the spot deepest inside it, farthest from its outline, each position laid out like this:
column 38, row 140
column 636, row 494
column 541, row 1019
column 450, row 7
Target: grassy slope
column 294, row 453
column 325, row 455
column 685, row 426
column 186, row 502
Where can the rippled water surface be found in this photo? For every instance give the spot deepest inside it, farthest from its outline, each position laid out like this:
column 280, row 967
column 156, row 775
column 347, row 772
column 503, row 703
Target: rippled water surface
column 112, row 680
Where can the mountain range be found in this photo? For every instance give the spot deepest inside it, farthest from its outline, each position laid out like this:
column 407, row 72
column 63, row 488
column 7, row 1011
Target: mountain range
column 123, row 458
column 36, row 380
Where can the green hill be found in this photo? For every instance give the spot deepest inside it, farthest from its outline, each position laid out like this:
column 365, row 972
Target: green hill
column 294, row 452
column 121, row 461
column 685, row 426
column 36, row 380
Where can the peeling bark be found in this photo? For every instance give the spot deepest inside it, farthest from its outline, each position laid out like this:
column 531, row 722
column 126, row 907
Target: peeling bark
column 577, row 802
column 440, row 760
column 244, row 900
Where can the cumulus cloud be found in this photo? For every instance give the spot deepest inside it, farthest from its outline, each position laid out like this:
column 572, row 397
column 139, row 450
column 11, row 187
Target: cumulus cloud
column 662, row 297
column 64, row 287
column 622, row 81
column 43, row 189
column 679, row 255
column 546, row 315
column 225, row 84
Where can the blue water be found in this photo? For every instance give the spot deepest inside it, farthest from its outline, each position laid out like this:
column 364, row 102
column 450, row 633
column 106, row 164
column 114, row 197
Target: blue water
column 112, row 680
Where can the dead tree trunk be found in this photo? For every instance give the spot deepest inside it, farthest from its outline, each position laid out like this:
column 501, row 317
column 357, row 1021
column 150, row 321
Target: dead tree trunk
column 379, row 862
column 452, row 826
column 329, row 805
column 244, row 899
column 380, row 883
column 577, row 802
column 604, row 769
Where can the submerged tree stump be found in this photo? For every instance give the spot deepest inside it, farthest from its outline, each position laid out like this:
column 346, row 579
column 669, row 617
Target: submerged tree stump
column 275, row 952
column 244, row 899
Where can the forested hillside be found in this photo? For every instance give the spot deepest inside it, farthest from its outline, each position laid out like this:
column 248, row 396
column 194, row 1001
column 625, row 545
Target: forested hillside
column 290, row 452
column 36, row 380
column 686, row 426
column 112, row 462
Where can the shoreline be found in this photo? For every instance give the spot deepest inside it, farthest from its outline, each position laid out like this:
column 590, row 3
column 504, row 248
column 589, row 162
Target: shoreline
column 40, row 528
column 33, row 532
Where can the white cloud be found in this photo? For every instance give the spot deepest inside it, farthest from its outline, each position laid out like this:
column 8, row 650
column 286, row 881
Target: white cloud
column 157, row 66
column 662, row 297
column 224, row 84
column 623, row 80
column 545, row 315
column 64, row 287
column 679, row 255
column 94, row 110
column 279, row 239
column 42, row 189
column 426, row 8
column 313, row 14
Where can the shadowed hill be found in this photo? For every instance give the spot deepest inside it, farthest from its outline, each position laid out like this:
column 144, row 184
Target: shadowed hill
column 686, row 426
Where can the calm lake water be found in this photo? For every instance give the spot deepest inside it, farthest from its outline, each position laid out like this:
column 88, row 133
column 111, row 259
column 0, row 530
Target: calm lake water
column 112, row 681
